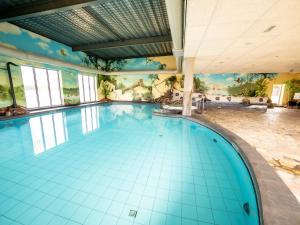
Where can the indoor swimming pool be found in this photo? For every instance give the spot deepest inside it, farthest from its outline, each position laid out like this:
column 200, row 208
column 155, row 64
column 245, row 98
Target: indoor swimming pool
column 118, row 164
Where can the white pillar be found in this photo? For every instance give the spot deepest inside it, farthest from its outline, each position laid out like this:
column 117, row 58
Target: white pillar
column 188, row 70
column 175, row 9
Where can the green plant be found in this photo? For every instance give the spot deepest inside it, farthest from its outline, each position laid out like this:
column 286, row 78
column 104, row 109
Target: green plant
column 261, row 87
column 292, row 87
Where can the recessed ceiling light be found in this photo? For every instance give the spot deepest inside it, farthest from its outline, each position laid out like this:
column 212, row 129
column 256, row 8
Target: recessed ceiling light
column 269, row 29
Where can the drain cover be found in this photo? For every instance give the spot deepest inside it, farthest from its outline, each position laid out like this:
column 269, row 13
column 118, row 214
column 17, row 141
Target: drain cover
column 132, row 213
column 215, row 140
column 246, row 208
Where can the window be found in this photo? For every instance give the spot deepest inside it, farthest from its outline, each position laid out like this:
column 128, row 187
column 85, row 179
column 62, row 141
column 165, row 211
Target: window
column 48, row 131
column 87, row 88
column 42, row 87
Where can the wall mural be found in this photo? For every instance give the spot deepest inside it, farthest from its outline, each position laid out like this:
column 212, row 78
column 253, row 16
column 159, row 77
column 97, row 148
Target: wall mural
column 124, row 88
column 234, row 84
column 151, row 87
column 5, row 95
column 70, row 87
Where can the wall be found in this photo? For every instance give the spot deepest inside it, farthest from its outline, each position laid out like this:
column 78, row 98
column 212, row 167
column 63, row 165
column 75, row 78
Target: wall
column 17, row 38
column 152, row 87
column 14, row 37
column 242, row 85
column 282, row 78
column 127, row 88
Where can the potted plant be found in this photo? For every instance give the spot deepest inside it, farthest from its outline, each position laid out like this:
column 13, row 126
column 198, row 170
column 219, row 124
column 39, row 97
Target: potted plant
column 292, row 87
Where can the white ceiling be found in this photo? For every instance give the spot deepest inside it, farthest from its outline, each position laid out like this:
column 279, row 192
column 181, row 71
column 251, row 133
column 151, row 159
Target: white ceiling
column 228, row 35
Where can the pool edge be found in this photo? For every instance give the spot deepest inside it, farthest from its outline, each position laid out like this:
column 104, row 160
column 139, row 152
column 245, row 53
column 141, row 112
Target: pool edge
column 276, row 203
column 224, row 133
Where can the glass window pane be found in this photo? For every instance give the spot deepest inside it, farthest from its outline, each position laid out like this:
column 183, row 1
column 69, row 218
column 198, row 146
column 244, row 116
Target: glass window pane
column 54, row 87
column 92, row 89
column 42, row 85
column 86, row 88
column 29, row 87
column 61, row 88
column 80, row 84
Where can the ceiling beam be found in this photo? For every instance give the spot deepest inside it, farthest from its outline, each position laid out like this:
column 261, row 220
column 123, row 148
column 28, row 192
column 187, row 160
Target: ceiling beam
column 40, row 8
column 125, row 43
column 136, row 56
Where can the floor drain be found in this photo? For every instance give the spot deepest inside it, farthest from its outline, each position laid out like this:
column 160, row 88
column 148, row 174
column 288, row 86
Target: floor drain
column 132, row 213
column 215, row 140
column 246, row 208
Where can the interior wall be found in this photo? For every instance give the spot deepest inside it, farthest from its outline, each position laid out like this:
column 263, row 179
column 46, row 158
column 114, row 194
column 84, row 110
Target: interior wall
column 69, row 82
column 125, row 88
column 243, row 85
column 150, row 87
column 282, row 78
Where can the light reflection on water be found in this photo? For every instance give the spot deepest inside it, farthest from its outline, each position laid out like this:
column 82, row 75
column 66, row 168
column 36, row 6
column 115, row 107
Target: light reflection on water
column 48, row 131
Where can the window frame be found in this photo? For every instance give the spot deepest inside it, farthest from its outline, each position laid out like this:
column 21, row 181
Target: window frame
column 59, row 80
column 82, row 88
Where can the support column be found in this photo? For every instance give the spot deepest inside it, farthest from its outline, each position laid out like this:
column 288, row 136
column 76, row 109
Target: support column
column 188, row 70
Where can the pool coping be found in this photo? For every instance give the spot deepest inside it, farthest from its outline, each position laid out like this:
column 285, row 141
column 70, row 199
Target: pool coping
column 276, row 203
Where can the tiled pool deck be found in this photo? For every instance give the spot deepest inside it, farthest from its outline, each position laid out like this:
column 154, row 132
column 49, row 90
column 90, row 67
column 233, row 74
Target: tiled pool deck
column 274, row 134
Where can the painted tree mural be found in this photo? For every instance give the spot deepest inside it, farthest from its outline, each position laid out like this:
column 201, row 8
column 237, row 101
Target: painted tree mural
column 251, row 84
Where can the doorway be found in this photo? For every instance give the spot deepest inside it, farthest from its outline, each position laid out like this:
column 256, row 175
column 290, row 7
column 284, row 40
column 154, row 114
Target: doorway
column 277, row 93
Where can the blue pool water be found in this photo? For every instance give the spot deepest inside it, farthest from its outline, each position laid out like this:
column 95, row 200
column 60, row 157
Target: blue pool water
column 94, row 164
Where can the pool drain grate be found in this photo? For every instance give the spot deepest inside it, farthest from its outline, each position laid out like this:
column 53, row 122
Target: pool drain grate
column 215, row 140
column 132, row 213
column 246, row 208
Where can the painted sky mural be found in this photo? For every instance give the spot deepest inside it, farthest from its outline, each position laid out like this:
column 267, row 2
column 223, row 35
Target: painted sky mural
column 235, row 84
column 17, row 38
